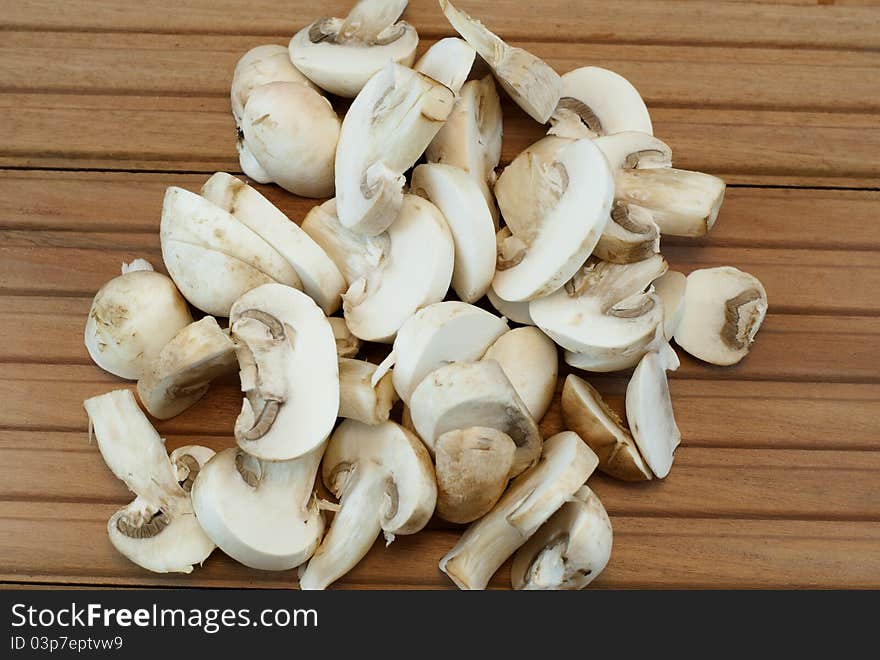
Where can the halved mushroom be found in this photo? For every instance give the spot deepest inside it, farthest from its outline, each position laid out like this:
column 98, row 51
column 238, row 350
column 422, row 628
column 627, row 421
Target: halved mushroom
column 532, row 83
column 595, row 101
column 341, row 55
column 631, row 235
column 569, row 550
column 556, row 199
column 259, row 66
column 473, row 467
column 649, row 410
column 384, row 481
column 566, row 463
column 212, row 257
column 361, row 400
column 439, row 334
column 529, row 360
column 670, row 288
column 158, row 530
column 448, row 61
column 182, row 372
column 462, row 395
column 320, row 277
column 386, row 130
column 289, row 373
column 458, row 197
column 131, row 318
column 347, row 345
column 585, row 412
column 723, row 310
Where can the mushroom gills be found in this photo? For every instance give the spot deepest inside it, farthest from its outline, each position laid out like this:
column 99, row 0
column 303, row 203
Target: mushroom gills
column 631, row 235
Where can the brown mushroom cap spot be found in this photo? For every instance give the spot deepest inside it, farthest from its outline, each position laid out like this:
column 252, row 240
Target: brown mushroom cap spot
column 189, row 462
column 583, row 111
column 731, row 333
column 250, row 473
column 146, row 529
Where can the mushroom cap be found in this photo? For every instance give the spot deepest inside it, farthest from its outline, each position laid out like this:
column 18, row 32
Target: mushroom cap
column 605, row 101
column 670, row 288
column 634, row 149
column 259, row 66
column 448, row 61
column 188, row 461
column 518, row 312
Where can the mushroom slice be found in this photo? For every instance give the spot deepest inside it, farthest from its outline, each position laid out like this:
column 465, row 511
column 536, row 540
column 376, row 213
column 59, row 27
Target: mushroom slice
column 533, row 497
column 384, row 481
column 472, row 468
column 670, row 288
column 585, row 412
column 448, row 61
column 439, row 334
column 361, row 400
column 320, row 277
column 263, row 514
column 212, row 257
column 458, row 197
column 462, row 395
column 341, row 55
column 518, row 312
column 289, row 373
column 634, row 150
column 723, row 310
column 182, row 372
column 569, row 550
column 595, row 101
column 631, row 235
column 347, row 345
column 158, row 530
column 531, row 82
column 529, row 360
column 556, row 199
column 387, row 128
column 259, row 66
column 188, row 461
column 649, row 410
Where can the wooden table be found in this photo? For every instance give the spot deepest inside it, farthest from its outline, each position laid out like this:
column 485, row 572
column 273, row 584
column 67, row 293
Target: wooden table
column 777, row 482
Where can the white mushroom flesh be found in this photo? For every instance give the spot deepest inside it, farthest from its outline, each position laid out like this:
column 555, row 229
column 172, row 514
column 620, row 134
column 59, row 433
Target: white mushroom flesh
column 359, row 398
column 448, row 61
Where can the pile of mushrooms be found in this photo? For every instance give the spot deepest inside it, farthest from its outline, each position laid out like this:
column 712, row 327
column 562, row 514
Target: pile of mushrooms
column 420, row 243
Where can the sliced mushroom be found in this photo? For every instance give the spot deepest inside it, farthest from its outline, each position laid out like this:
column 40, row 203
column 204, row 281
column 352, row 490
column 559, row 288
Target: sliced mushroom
column 585, row 412
column 263, row 514
column 188, row 461
column 569, row 551
column 458, row 197
column 596, row 101
column 182, row 372
column 723, row 310
column 670, row 288
column 439, row 334
column 361, row 400
column 289, row 373
column 347, row 345
column 387, row 128
column 448, row 61
column 556, row 199
column 529, row 360
column 462, row 395
column 518, row 312
column 472, row 468
column 566, row 463
column 320, row 277
column 634, row 150
column 341, row 55
column 631, row 235
column 131, row 318
column 158, row 530
column 531, row 82
column 259, row 66
column 649, row 410
column 384, row 481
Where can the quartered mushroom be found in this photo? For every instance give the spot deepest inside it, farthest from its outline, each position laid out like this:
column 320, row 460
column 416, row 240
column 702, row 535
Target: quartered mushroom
column 347, row 345
column 158, row 531
column 259, row 66
column 386, row 130
column 359, row 398
column 531, row 82
column 384, row 481
column 670, row 289
column 289, row 373
column 131, row 318
column 723, row 310
column 448, row 61
column 569, row 551
column 342, row 54
column 518, row 312
column 182, row 372
column 631, row 235
column 461, row 395
column 533, row 497
column 556, row 199
column 263, row 514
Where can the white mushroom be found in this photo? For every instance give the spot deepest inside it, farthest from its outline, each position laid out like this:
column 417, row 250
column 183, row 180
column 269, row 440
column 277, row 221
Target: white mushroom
column 631, row 235
column 289, row 373
column 458, row 197
column 670, row 288
column 131, row 318
column 320, row 277
column 361, row 400
column 723, row 310
column 384, row 481
column 188, row 461
column 634, row 150
column 341, row 55
column 531, row 82
column 259, row 66
column 529, row 360
column 556, row 199
column 566, row 463
column 462, row 395
column 518, row 312
column 263, row 514
column 158, row 530
column 182, row 372
column 448, row 61
column 347, row 345
column 569, row 551
column 386, row 129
